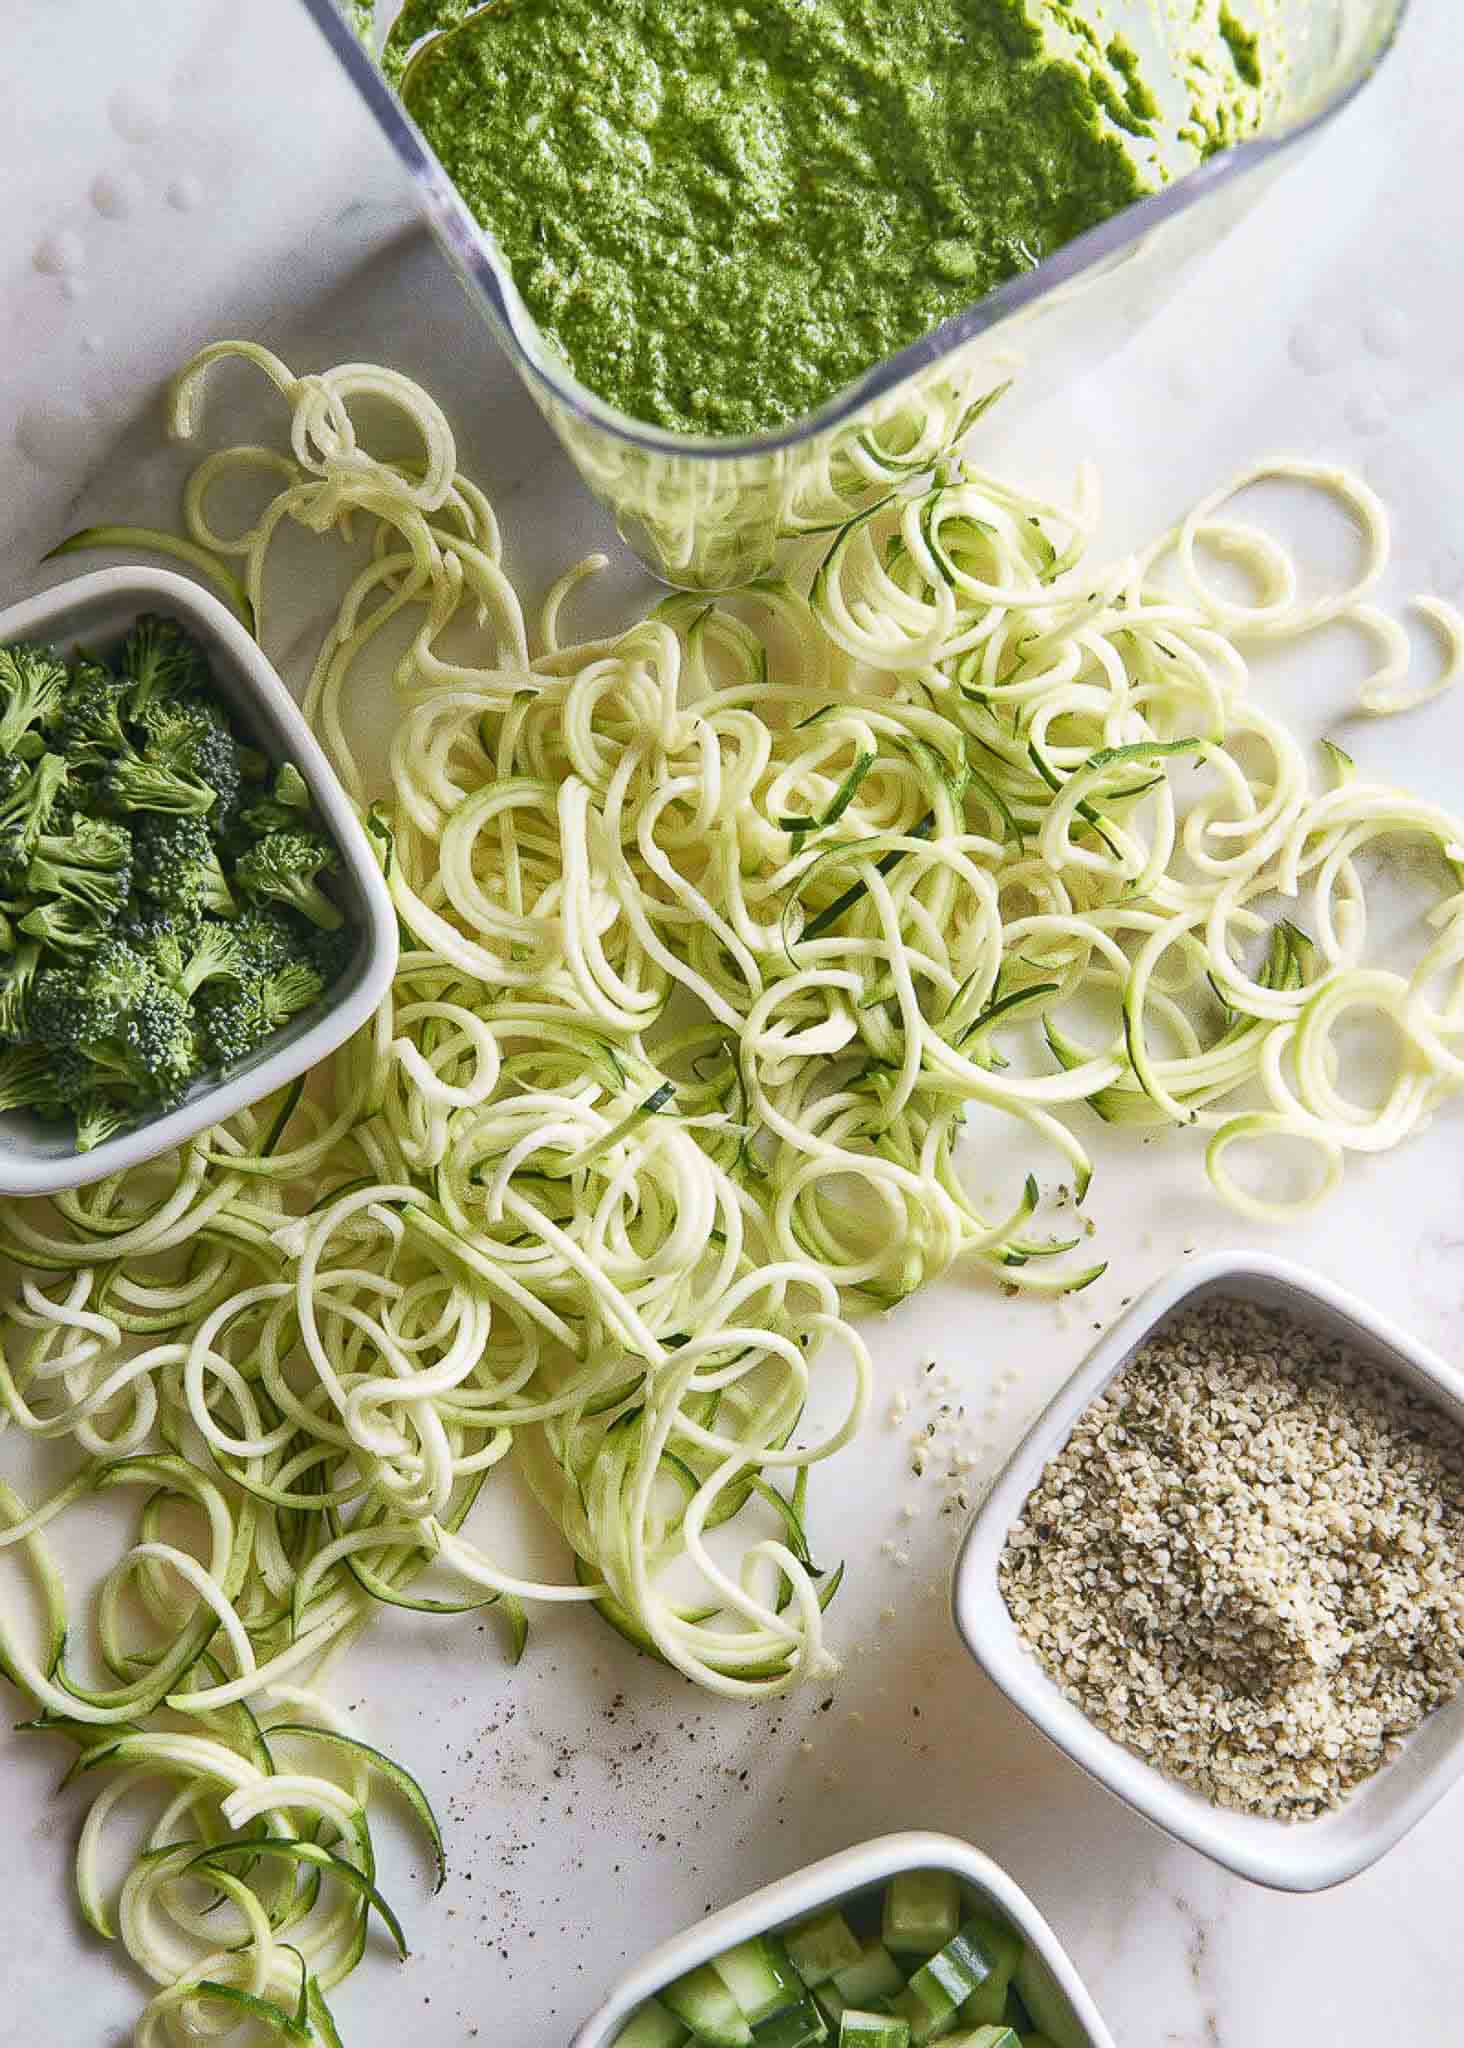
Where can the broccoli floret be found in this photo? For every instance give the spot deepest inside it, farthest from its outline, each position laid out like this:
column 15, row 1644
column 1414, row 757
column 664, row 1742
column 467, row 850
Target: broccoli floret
column 28, row 802
column 158, row 1043
column 26, row 786
column 286, row 994
column 65, row 927
column 331, row 953
column 159, row 661
column 232, row 1020
column 81, row 895
column 176, row 867
column 282, row 868
column 145, row 1044
column 194, row 739
column 187, row 956
column 114, row 978
column 132, row 782
column 83, row 1071
column 285, row 808
column 270, row 937
column 100, row 843
column 239, row 1016
column 88, row 728
column 182, row 736
column 101, row 1115
column 112, row 1024
column 73, row 1077
column 83, row 1001
column 286, row 964
column 15, row 991
column 91, row 867
column 32, row 680
column 52, row 1005
column 27, row 1080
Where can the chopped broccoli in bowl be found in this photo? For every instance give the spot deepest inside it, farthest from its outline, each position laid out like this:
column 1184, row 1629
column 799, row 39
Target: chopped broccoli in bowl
column 164, row 905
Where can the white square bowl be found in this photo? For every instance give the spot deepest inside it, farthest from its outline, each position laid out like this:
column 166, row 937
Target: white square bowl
column 96, row 612
column 1293, row 1856
column 1068, row 2015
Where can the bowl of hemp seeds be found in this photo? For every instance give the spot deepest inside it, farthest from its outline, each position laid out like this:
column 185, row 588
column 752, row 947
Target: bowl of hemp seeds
column 1224, row 1571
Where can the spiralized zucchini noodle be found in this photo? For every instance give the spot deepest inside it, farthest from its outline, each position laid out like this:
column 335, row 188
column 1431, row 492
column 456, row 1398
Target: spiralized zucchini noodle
column 709, row 523
column 715, row 932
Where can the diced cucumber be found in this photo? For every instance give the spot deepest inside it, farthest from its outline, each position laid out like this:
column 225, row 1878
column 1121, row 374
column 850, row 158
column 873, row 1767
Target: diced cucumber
column 875, row 1975
column 831, row 2002
column 1002, row 1948
column 1045, row 2004
column 945, row 1985
column 953, row 1972
column 702, row 2000
column 873, row 2030
column 1015, row 2014
column 760, row 1977
column 922, row 1911
column 986, row 2007
column 818, row 1985
column 821, row 1947
column 802, row 2026
column 925, row 2025
column 653, row 2027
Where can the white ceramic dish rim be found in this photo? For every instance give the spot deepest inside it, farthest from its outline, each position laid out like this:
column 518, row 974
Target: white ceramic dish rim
column 46, row 616
column 820, row 1884
column 1293, row 1857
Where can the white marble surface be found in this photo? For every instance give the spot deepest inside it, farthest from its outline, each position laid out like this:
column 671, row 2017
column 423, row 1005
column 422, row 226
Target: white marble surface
column 175, row 169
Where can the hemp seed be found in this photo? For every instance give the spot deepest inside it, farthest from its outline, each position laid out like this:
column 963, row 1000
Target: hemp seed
column 1247, row 1564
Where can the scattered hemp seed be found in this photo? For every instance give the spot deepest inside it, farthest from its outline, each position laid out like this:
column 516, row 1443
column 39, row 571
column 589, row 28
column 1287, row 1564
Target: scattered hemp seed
column 1247, row 1564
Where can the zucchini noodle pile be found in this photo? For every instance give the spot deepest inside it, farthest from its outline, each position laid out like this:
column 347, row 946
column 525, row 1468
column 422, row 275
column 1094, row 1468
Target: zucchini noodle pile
column 714, row 933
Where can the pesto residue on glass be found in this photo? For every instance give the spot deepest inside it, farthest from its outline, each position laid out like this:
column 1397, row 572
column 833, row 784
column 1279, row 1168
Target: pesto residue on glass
column 721, row 214
column 1244, row 45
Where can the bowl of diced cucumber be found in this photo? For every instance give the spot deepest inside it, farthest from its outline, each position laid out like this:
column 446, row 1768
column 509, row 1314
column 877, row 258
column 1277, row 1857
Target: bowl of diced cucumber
column 901, row 1942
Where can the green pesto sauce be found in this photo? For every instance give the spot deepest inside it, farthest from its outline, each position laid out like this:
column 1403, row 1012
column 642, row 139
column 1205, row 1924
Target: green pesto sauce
column 720, row 214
